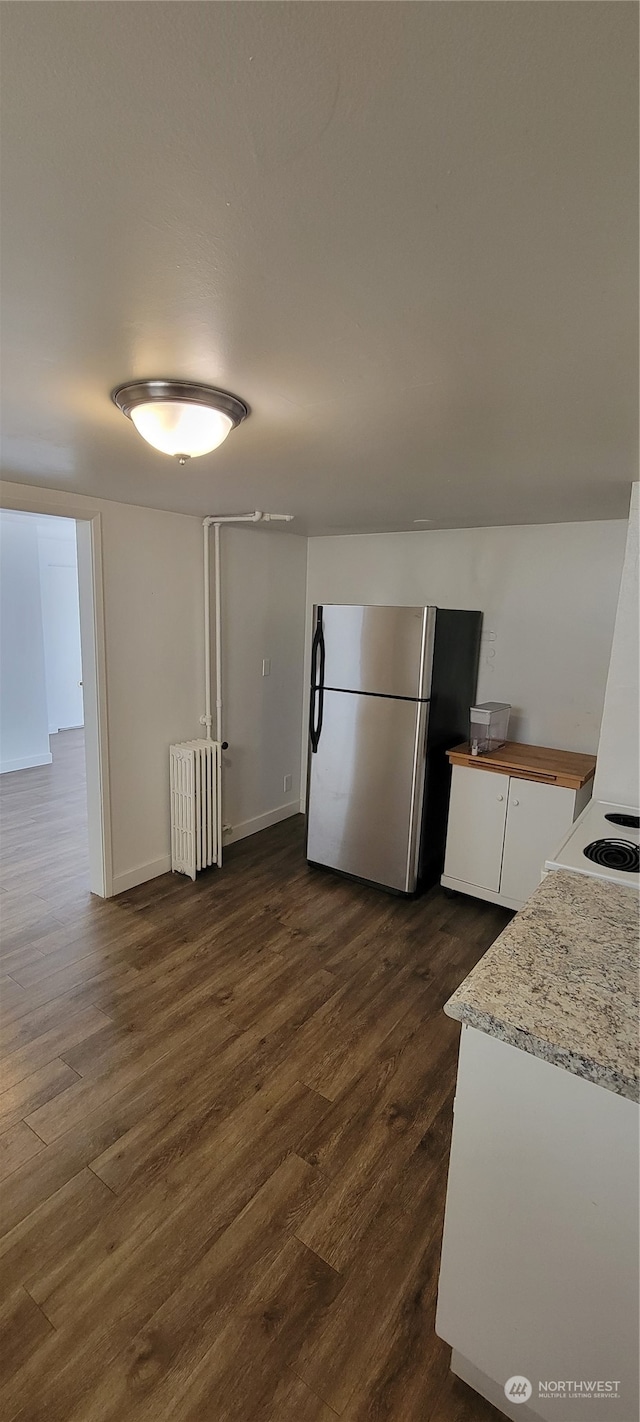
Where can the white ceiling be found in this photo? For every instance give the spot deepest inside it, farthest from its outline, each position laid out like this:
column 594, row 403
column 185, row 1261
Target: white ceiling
column 406, row 234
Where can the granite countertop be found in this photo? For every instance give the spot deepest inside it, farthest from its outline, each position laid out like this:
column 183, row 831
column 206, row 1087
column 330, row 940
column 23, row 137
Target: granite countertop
column 561, row 982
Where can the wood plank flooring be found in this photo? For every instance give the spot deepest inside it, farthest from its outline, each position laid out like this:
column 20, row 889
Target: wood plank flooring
column 225, row 1115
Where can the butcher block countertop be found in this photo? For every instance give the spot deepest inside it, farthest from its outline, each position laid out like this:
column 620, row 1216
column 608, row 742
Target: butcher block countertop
column 561, row 981
column 550, row 767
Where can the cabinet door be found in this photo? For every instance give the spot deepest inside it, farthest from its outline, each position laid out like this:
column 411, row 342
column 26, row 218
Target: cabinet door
column 539, row 1256
column 475, row 833
column 538, row 817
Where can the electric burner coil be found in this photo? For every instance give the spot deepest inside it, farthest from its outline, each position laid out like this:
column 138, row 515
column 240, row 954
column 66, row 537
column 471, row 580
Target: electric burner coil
column 618, row 854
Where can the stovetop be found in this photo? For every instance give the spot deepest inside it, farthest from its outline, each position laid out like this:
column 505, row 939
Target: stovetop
column 604, row 842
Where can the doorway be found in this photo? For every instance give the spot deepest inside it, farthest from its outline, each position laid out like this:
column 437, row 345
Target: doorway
column 43, row 800
column 55, row 825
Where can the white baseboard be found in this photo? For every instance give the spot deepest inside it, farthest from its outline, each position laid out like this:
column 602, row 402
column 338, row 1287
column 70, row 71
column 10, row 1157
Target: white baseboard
column 260, row 822
column 133, row 877
column 26, row 762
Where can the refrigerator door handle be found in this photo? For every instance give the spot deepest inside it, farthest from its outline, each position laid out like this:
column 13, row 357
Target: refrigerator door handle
column 317, row 684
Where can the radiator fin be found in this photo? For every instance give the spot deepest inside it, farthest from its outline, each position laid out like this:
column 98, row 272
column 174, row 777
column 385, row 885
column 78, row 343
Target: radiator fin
column 195, row 798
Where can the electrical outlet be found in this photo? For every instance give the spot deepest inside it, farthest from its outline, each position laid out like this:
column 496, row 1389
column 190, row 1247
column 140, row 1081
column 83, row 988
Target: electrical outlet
column 288, row 782
column 226, row 829
column 266, row 666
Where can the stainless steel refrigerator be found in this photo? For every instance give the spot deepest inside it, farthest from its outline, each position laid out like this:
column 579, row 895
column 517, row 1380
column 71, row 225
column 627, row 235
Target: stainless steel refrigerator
column 391, row 689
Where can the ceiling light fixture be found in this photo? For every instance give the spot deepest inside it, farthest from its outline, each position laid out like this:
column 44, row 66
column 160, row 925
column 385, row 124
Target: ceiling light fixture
column 179, row 417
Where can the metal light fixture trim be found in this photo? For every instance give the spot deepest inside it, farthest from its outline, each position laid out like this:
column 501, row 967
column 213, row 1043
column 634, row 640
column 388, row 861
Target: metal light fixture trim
column 178, row 396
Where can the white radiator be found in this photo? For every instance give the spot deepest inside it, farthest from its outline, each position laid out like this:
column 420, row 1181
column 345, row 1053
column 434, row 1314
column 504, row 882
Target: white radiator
column 196, row 813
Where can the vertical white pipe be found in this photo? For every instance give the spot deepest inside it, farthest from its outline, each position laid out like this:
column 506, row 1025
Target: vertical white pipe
column 218, row 611
column 218, row 626
column 207, row 634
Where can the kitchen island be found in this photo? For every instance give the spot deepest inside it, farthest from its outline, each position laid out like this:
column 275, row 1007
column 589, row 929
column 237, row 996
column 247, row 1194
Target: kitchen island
column 539, row 1273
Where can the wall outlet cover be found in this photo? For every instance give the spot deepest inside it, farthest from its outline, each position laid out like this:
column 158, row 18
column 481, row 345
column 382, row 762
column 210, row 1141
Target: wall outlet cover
column 288, row 783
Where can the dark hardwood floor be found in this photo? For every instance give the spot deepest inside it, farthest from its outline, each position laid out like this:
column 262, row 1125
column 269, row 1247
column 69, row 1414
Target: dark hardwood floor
column 225, row 1114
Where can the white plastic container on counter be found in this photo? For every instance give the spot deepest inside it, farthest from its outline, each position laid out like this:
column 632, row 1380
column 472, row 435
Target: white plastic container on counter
column 489, row 724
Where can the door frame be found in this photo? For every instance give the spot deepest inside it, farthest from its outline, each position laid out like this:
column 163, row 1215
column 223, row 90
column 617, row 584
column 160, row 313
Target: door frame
column 23, row 498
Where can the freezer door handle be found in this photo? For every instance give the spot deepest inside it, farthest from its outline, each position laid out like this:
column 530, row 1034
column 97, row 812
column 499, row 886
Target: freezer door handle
column 317, row 683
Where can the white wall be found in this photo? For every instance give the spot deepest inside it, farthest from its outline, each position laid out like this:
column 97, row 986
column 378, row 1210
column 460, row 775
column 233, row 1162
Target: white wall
column 58, row 559
column 618, row 772
column 264, row 578
column 24, row 731
column 155, row 685
column 152, row 589
column 153, row 615
column 548, row 593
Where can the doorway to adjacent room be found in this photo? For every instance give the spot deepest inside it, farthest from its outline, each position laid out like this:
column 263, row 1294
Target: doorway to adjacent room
column 43, row 802
column 54, row 840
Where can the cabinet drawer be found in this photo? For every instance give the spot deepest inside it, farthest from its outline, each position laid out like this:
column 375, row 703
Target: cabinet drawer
column 475, row 835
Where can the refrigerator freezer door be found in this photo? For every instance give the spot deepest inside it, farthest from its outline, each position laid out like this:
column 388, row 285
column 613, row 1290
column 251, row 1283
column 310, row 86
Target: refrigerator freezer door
column 365, row 788
column 386, row 651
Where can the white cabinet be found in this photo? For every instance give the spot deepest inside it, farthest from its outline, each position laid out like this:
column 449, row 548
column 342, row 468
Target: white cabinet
column 538, row 817
column 477, row 800
column 539, row 1272
column 501, row 829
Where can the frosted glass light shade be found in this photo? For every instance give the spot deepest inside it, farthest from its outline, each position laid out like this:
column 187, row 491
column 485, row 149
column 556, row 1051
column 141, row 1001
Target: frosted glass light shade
column 180, row 417
column 176, row 428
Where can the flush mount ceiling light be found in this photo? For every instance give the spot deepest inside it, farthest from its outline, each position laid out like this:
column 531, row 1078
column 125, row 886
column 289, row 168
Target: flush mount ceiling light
column 179, row 417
